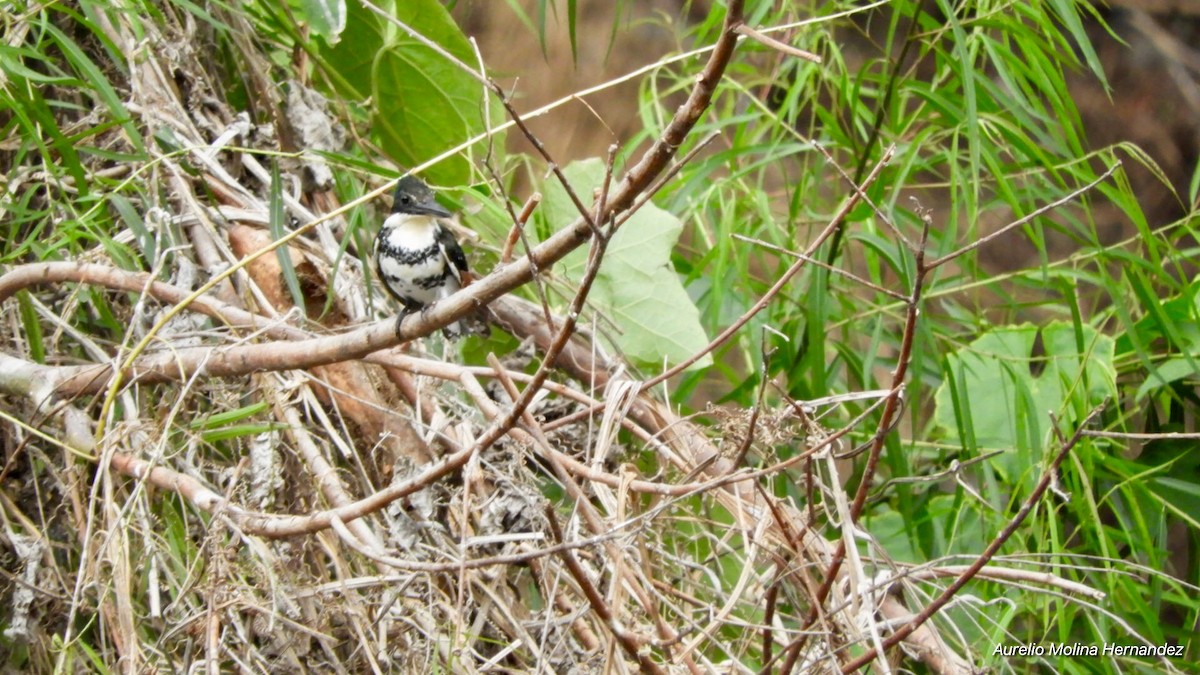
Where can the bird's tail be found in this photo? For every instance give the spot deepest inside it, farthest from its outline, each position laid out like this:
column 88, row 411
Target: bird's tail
column 475, row 323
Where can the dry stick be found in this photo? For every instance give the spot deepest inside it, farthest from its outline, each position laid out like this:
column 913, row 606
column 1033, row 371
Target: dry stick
column 514, row 234
column 985, row 557
column 505, row 423
column 891, row 407
column 776, row 44
column 1123, row 435
column 518, row 232
column 358, row 343
column 518, row 228
column 825, row 266
column 602, row 201
column 894, row 400
column 651, row 415
column 19, row 377
column 744, row 447
column 594, row 522
column 768, row 635
column 30, row 274
column 883, row 218
column 1017, row 223
column 596, row 600
column 1006, row 575
column 593, row 222
column 328, row 482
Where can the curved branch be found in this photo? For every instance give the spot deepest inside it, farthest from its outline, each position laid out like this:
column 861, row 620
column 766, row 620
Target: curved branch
column 241, row 360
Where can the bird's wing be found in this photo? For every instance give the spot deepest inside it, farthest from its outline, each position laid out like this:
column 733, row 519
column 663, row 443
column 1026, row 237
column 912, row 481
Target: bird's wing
column 452, row 251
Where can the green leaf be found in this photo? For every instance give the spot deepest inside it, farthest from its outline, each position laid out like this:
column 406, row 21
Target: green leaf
column 637, row 287
column 33, row 328
column 99, row 87
column 571, row 11
column 278, row 231
column 133, row 219
column 240, row 430
column 426, row 104
column 229, row 417
column 327, row 18
column 353, row 57
column 1006, row 405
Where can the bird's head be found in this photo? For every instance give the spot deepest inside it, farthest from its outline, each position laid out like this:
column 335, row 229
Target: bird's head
column 414, row 197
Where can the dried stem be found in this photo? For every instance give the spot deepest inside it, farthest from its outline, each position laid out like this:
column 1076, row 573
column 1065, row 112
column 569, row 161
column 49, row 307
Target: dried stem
column 988, row 553
column 776, row 44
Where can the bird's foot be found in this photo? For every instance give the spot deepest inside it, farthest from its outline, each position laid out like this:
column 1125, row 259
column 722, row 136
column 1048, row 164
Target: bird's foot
column 404, row 313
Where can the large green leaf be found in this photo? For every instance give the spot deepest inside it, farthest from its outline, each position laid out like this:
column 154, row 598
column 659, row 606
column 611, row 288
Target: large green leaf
column 637, row 287
column 424, row 104
column 353, row 57
column 992, row 395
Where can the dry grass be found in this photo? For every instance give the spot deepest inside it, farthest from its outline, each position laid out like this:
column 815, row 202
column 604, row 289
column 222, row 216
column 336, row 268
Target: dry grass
column 203, row 524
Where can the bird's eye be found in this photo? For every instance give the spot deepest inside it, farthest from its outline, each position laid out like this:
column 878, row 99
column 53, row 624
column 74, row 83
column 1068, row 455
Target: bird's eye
column 406, row 199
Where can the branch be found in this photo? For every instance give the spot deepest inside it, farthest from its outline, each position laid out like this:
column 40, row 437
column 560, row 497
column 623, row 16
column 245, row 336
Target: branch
column 988, row 553
column 356, row 344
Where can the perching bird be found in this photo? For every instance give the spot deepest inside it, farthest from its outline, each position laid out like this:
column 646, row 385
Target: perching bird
column 419, row 260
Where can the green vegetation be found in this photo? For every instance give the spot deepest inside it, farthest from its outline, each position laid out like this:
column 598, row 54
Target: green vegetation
column 926, row 188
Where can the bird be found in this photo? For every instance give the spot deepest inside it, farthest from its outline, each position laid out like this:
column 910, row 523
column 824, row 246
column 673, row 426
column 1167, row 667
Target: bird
column 419, row 260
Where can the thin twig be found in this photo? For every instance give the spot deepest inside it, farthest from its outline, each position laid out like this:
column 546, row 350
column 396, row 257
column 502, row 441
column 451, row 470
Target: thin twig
column 584, row 211
column 514, row 234
column 763, row 376
column 776, row 44
column 865, row 197
column 597, row 602
column 938, row 262
column 984, row 558
column 823, row 265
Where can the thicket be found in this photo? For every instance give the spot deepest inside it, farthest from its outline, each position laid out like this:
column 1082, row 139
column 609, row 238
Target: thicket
column 753, row 401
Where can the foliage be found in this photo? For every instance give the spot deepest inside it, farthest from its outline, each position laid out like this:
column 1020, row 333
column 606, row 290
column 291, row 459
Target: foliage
column 1008, row 356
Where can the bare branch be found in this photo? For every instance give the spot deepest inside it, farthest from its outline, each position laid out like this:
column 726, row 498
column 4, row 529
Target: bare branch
column 776, row 44
column 985, row 557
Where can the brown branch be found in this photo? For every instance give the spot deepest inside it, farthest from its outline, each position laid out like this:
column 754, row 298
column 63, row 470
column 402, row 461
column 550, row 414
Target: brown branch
column 823, row 265
column 33, row 274
column 946, row 595
column 584, row 212
column 597, row 602
column 506, row 422
column 358, row 343
column 514, row 234
column 891, row 408
column 1021, row 221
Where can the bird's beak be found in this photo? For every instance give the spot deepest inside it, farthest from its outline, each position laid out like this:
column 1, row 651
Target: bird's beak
column 430, row 207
